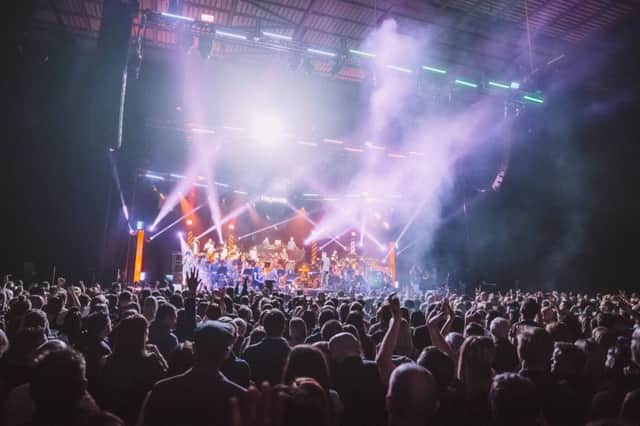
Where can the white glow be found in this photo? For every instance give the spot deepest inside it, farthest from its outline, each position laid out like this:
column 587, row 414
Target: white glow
column 266, row 129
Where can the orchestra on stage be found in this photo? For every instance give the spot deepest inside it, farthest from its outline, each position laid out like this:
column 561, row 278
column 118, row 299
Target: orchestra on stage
column 284, row 266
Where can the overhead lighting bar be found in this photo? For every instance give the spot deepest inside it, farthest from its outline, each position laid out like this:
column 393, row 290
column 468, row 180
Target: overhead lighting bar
column 235, row 129
column 231, row 35
column 153, row 177
column 310, row 195
column 351, row 149
column 235, row 191
column 515, row 85
column 224, row 185
column 361, row 53
column 333, row 141
column 203, row 130
column 533, row 99
column 499, row 85
column 307, row 143
column 392, row 155
column 321, row 52
column 433, row 69
column 277, row 36
column 180, row 17
column 466, row 83
column 205, row 17
column 269, row 199
column 374, row 146
column 401, row 69
column 176, row 176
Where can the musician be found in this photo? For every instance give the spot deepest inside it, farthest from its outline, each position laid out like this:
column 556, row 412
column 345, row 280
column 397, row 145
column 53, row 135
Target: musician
column 209, row 248
column 253, row 253
column 326, row 268
column 291, row 245
column 266, row 243
column 195, row 247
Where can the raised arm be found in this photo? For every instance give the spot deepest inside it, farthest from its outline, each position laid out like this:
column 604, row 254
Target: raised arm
column 437, row 339
column 193, row 282
column 384, row 358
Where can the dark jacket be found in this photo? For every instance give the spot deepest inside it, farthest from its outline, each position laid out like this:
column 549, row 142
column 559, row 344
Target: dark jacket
column 192, row 398
column 362, row 392
column 267, row 359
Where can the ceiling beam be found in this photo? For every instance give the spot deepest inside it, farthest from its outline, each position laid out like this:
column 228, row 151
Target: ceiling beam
column 270, row 12
column 301, row 29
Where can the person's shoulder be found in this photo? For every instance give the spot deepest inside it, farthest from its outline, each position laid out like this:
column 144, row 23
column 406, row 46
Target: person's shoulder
column 232, row 387
column 170, row 383
column 240, row 362
column 253, row 347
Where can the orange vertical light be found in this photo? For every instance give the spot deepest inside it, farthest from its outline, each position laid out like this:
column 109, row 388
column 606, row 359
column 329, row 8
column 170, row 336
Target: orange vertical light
column 392, row 260
column 137, row 264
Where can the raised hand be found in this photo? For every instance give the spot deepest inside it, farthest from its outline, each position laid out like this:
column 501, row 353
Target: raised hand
column 394, row 302
column 193, row 280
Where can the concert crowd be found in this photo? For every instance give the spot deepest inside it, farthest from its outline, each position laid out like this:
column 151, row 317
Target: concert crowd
column 76, row 354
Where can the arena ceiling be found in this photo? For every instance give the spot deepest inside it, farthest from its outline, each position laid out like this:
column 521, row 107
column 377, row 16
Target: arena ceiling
column 495, row 36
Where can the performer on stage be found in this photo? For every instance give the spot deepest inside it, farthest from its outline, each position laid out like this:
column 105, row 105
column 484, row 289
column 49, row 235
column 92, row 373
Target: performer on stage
column 291, row 245
column 209, row 249
column 195, row 247
column 253, row 254
column 326, row 268
column 266, row 243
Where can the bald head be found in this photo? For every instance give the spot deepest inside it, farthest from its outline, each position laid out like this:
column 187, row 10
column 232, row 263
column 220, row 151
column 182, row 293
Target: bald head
column 499, row 328
column 344, row 345
column 412, row 398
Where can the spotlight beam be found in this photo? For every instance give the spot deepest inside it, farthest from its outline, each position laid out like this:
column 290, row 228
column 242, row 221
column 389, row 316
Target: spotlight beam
column 363, row 229
column 235, row 213
column 411, row 220
column 335, row 239
column 175, row 222
column 306, row 217
column 266, row 228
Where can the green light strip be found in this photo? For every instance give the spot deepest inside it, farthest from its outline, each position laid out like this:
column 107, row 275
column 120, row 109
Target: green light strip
column 432, row 69
column 466, row 83
column 500, row 85
column 361, row 53
column 533, row 99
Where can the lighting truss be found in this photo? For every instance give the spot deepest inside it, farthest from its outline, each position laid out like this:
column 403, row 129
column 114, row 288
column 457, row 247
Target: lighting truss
column 284, row 43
